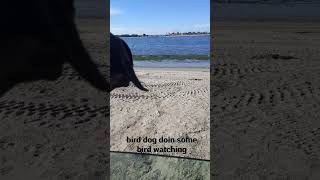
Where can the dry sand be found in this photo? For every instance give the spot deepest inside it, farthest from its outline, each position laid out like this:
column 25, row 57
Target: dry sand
column 265, row 108
column 57, row 130
column 177, row 105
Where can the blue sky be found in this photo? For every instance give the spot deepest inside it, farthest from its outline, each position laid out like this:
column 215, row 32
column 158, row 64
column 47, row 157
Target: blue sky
column 159, row 16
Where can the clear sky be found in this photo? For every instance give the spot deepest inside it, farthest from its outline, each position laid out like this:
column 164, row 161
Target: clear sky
column 159, row 16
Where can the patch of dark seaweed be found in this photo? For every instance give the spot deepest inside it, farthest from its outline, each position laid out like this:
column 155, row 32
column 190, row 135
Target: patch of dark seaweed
column 169, row 57
column 273, row 56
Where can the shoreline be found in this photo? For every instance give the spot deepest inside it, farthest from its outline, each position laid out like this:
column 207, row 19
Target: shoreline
column 206, row 69
column 186, row 35
column 172, row 64
column 163, row 35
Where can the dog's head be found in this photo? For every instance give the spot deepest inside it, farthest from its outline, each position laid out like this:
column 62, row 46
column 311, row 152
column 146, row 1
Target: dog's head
column 122, row 72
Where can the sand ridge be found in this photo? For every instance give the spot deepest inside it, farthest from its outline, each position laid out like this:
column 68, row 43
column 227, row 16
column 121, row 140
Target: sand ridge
column 57, row 129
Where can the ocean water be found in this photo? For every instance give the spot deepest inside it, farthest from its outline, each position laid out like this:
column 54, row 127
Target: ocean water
column 170, row 45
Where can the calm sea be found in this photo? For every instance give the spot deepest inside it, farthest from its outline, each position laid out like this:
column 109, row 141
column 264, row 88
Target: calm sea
column 170, row 45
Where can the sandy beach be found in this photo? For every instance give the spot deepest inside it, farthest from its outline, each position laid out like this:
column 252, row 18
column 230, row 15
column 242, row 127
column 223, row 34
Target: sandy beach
column 265, row 100
column 57, row 130
column 177, row 105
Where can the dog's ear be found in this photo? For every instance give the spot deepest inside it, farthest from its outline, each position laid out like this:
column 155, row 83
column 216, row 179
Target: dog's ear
column 128, row 66
column 122, row 63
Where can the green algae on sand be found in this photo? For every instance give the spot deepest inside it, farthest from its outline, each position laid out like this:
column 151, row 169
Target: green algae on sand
column 169, row 57
column 145, row 167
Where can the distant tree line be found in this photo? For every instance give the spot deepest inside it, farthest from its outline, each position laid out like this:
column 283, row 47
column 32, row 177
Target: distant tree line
column 167, row 34
column 131, row 35
column 186, row 33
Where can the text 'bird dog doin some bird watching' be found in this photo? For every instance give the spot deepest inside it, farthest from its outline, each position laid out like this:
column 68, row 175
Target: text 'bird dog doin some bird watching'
column 39, row 36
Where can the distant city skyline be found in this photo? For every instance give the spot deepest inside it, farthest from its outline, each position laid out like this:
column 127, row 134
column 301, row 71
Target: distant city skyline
column 159, row 17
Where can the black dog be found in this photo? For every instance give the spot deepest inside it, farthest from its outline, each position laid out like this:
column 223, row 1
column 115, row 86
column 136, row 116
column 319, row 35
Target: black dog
column 37, row 38
column 122, row 65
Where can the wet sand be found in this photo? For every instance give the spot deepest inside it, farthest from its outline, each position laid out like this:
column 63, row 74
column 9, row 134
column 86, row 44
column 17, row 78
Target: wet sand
column 177, row 105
